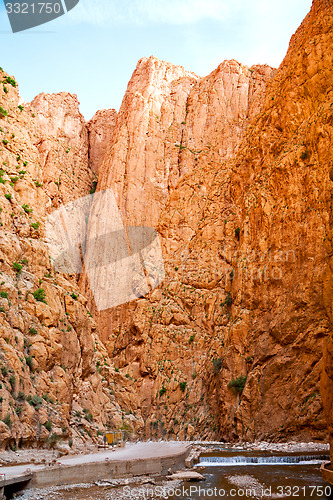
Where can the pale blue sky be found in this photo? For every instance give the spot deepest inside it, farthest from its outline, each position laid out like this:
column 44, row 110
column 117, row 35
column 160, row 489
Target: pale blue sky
column 93, row 50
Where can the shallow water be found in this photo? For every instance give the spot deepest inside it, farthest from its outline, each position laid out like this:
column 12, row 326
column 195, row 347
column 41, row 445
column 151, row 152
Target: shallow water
column 229, row 474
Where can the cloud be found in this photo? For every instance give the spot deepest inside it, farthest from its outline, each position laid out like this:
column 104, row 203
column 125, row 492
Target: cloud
column 143, row 12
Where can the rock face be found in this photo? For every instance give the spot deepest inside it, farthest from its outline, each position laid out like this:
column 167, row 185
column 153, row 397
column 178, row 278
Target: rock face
column 100, row 130
column 62, row 146
column 235, row 172
column 57, row 382
column 231, row 345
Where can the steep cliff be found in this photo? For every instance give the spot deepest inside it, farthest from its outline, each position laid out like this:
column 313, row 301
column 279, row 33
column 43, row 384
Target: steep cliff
column 57, row 383
column 235, row 172
column 231, row 345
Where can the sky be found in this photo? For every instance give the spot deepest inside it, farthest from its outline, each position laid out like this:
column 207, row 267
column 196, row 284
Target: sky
column 93, row 50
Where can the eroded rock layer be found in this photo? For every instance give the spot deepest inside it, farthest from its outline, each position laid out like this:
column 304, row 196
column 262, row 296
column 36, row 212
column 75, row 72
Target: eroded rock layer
column 231, row 345
column 57, row 382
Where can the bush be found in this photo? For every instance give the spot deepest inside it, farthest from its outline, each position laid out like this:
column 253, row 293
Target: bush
column 12, row 381
column 8, row 196
column 20, row 396
column 237, row 233
column 26, row 208
column 35, row 225
column 94, row 187
column 70, row 442
column 20, row 107
column 5, row 142
column 305, row 155
column 33, row 331
column 29, row 361
column 7, row 420
column 217, row 365
column 17, row 267
column 40, row 295
column 191, row 339
column 88, row 415
column 3, row 112
column 4, row 371
column 74, row 296
column 48, row 425
column 36, row 401
column 162, row 391
column 228, row 300
column 237, row 384
column 182, row 386
column 10, row 81
column 4, row 295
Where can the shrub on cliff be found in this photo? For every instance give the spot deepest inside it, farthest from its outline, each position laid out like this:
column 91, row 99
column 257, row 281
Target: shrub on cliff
column 237, row 384
column 40, row 295
column 217, row 365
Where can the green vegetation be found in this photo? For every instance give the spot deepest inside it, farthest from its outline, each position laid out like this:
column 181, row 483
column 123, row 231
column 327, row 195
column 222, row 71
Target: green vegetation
column 7, row 420
column 20, row 107
column 48, row 425
column 12, row 381
column 74, row 296
column 4, row 371
column 33, row 331
column 35, row 401
column 27, row 209
column 3, row 112
column 8, row 196
column 237, row 233
column 4, row 295
column 29, row 361
column 88, row 415
column 10, row 81
column 20, row 396
column 40, row 295
column 5, row 142
column 217, row 365
column 237, row 384
column 191, row 339
column 228, row 300
column 94, row 186
column 182, row 386
column 162, row 391
column 17, row 267
column 305, row 155
column 35, row 225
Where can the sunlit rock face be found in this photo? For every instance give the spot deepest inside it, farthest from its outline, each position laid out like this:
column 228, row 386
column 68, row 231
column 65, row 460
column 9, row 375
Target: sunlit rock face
column 233, row 172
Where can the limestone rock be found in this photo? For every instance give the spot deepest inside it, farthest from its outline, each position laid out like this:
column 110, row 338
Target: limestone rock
column 100, row 130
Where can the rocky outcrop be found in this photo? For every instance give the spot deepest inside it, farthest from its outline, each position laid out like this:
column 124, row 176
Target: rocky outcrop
column 57, row 382
column 63, row 147
column 100, row 130
column 234, row 170
column 231, row 345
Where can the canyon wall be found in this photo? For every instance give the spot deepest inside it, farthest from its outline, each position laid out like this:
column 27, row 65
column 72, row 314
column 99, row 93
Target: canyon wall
column 57, row 384
column 233, row 171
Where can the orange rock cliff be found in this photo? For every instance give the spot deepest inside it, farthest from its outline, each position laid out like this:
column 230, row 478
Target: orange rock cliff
column 235, row 172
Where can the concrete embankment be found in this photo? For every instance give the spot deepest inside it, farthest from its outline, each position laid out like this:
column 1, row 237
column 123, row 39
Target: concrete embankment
column 133, row 460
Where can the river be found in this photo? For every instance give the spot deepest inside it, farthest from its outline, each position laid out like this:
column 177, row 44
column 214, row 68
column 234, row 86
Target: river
column 229, row 473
